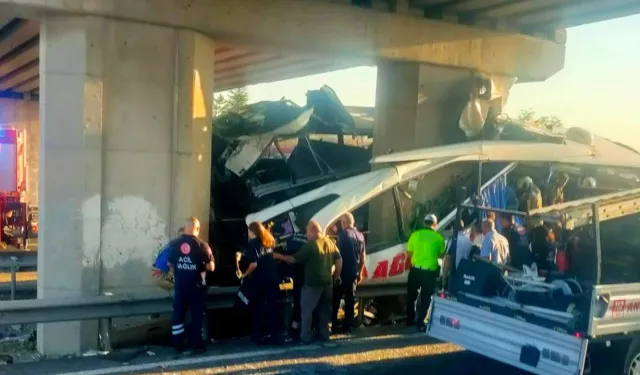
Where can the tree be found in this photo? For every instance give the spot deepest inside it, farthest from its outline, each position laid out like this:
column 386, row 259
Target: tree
column 548, row 122
column 234, row 101
column 237, row 100
column 219, row 103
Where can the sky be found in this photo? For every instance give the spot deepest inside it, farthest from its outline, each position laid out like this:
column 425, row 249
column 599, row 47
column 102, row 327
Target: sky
column 598, row 89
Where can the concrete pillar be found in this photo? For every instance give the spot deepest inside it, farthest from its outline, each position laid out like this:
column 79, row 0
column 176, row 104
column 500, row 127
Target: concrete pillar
column 23, row 115
column 417, row 106
column 125, row 144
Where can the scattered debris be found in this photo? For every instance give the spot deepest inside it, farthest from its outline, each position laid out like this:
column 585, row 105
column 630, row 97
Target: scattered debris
column 6, row 360
column 93, row 353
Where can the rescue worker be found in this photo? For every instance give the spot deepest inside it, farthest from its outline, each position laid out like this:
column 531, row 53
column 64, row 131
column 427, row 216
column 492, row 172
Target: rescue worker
column 424, row 248
column 8, row 229
column 458, row 248
column 554, row 193
column 463, row 247
column 529, row 195
column 516, row 235
column 543, row 249
column 189, row 259
column 588, row 183
column 495, row 246
column 322, row 268
column 262, row 274
column 352, row 249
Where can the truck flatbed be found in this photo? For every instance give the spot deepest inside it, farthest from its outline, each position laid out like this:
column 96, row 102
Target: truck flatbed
column 536, row 338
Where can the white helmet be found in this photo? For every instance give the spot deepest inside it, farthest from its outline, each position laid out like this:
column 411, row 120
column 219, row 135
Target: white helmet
column 525, row 182
column 589, row 183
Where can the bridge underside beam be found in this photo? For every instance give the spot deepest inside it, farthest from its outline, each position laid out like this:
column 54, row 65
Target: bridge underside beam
column 324, row 29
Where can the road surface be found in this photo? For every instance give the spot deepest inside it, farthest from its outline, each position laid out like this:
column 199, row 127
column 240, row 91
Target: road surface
column 373, row 351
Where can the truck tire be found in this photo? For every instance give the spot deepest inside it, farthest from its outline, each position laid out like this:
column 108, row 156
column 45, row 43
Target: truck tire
column 632, row 360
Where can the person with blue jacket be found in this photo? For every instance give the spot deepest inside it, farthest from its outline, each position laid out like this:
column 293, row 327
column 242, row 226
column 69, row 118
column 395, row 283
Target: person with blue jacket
column 160, row 273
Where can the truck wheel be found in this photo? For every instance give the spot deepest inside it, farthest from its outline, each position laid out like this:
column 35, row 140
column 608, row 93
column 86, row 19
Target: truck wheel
column 632, row 362
column 587, row 369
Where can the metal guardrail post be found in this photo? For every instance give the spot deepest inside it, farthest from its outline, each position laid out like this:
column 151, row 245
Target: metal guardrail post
column 14, row 270
column 105, row 334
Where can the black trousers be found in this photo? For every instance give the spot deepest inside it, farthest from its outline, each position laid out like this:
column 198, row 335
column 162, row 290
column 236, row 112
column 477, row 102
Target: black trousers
column 347, row 290
column 265, row 302
column 296, row 313
column 425, row 282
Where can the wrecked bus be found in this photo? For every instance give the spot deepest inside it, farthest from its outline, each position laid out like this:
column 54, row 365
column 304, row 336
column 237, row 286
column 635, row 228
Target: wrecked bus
column 389, row 201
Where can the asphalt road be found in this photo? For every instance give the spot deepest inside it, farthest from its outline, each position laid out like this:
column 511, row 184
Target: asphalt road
column 371, row 351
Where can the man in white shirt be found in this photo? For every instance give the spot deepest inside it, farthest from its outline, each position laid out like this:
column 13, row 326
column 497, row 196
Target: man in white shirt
column 463, row 248
column 495, row 246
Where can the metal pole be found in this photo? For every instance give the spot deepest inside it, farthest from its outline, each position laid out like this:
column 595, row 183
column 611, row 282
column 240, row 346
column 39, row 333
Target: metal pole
column 492, row 209
column 479, row 189
column 360, row 311
column 14, row 269
column 105, row 334
column 595, row 217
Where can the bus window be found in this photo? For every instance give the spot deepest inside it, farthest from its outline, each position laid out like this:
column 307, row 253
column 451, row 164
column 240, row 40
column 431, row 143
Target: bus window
column 431, row 194
column 378, row 220
column 305, row 212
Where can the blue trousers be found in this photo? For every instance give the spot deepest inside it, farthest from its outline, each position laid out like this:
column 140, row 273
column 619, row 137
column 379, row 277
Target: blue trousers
column 188, row 299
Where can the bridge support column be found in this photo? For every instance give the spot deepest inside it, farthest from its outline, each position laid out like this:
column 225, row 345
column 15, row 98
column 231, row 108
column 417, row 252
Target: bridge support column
column 125, row 144
column 417, row 106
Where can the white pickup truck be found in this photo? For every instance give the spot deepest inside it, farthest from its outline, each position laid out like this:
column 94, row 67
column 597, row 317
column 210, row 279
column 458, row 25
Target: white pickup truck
column 562, row 324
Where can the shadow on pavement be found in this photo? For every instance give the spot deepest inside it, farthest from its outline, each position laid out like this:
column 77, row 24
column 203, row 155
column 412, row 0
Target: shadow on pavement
column 375, row 351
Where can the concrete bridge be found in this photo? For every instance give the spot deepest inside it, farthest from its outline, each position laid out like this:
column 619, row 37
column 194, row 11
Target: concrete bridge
column 121, row 133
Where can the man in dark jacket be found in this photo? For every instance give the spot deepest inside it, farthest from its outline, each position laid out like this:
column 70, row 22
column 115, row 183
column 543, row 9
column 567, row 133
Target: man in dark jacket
column 519, row 251
column 353, row 252
column 189, row 259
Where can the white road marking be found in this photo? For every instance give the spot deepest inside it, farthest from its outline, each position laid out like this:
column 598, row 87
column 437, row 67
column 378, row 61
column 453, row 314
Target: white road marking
column 233, row 356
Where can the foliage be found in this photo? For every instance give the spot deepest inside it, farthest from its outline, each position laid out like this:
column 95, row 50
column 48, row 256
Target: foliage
column 548, row 122
column 234, row 101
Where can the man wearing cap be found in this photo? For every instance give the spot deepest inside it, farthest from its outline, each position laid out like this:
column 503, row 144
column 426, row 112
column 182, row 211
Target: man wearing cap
column 424, row 248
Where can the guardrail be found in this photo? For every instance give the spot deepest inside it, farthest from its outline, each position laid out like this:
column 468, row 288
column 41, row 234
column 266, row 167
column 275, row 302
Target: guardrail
column 114, row 306
column 106, row 307
column 15, row 261
column 28, row 259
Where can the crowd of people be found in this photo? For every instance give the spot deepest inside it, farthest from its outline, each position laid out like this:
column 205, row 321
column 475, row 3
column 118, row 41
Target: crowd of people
column 328, row 270
column 516, row 246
